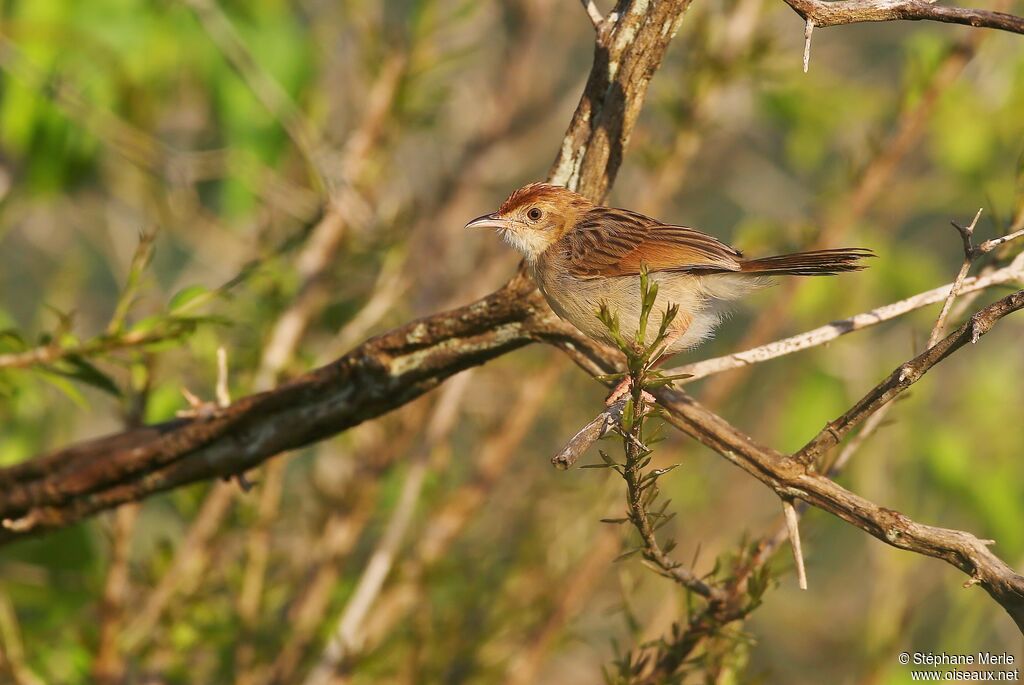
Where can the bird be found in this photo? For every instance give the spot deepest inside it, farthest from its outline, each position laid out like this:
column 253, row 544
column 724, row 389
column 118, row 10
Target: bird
column 584, row 256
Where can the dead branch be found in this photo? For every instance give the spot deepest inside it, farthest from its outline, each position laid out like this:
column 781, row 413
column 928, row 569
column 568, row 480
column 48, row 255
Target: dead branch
column 834, row 13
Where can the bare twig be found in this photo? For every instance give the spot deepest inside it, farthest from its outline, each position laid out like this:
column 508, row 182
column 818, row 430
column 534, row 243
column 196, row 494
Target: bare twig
column 595, row 14
column 108, row 667
column 12, row 654
column 808, row 31
column 836, row 12
column 223, row 393
column 966, row 234
column 992, row 244
column 598, row 427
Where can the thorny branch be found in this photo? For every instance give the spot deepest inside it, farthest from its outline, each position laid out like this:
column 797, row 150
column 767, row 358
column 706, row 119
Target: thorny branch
column 834, row 13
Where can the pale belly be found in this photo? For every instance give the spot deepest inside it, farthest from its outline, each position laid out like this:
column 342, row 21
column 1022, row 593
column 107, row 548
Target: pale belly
column 700, row 300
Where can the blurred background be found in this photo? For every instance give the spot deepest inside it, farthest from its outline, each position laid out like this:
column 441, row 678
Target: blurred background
column 285, row 179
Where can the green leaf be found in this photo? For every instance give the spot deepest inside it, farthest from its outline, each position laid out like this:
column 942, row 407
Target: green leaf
column 83, row 371
column 609, row 377
column 184, row 297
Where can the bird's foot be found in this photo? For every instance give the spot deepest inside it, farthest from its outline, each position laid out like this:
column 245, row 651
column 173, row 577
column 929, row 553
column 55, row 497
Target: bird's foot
column 623, row 389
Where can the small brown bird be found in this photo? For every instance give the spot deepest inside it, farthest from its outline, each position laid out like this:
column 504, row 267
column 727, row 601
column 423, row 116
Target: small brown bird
column 582, row 254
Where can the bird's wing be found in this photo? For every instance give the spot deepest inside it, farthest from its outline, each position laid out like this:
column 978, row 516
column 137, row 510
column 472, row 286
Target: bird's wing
column 616, row 242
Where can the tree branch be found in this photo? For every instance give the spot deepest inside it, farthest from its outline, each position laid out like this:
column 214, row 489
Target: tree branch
column 834, row 13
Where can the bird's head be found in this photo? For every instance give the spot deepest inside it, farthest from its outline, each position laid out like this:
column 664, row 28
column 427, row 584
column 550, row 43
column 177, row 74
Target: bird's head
column 534, row 217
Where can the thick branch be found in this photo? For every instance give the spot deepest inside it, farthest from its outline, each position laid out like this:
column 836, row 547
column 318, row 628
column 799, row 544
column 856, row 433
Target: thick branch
column 825, row 13
column 381, row 374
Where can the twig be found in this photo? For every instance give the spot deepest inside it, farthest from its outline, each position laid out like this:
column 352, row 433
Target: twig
column 140, row 261
column 966, row 234
column 597, row 428
column 595, row 14
column 834, row 13
column 12, row 654
column 104, row 344
column 992, row 244
column 808, row 30
column 871, row 425
column 793, row 528
column 108, row 667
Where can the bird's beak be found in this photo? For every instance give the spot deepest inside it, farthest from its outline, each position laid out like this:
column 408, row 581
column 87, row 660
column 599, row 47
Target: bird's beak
column 489, row 221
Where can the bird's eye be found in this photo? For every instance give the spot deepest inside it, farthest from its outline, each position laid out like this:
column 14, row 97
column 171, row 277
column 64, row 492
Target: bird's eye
column 534, row 214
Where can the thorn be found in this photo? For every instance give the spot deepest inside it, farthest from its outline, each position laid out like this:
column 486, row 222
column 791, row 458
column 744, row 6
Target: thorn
column 223, row 394
column 595, row 14
column 193, row 400
column 808, row 30
column 23, row 524
column 793, row 527
column 197, row 409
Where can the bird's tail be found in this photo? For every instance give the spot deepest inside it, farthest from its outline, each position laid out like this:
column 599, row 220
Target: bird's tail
column 813, row 263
